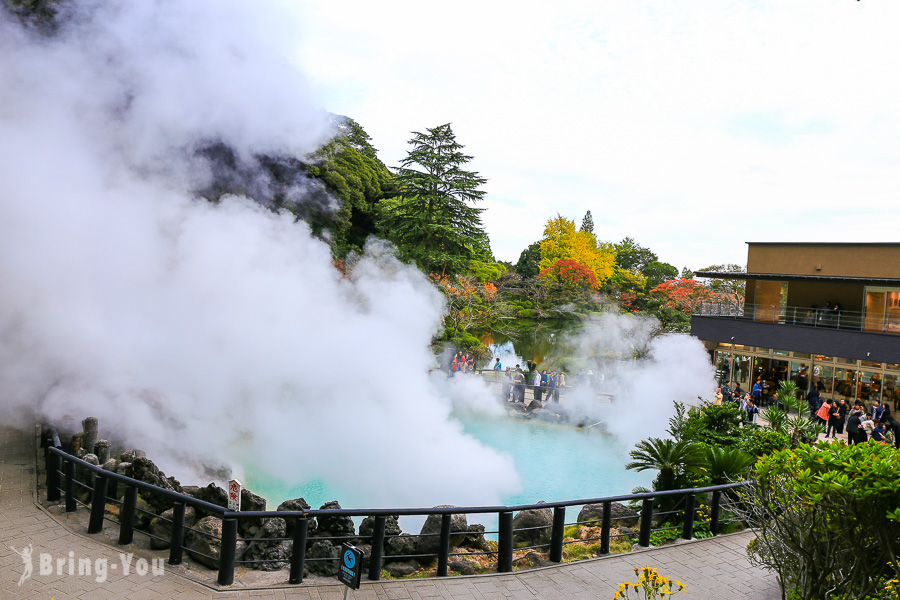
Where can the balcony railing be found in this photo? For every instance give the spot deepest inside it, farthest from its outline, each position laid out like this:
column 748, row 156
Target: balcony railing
column 809, row 317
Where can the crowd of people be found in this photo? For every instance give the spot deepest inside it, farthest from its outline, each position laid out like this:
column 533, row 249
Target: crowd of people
column 873, row 423
column 542, row 383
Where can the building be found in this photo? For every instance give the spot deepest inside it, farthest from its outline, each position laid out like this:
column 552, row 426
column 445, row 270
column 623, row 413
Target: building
column 818, row 314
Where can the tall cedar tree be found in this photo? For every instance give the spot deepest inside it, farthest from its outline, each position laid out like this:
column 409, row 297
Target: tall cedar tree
column 433, row 223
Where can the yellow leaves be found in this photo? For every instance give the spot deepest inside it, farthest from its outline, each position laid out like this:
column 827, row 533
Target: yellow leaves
column 562, row 241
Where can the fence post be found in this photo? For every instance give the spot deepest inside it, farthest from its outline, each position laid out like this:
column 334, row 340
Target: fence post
column 53, row 466
column 176, row 543
column 377, row 548
column 298, row 552
column 70, row 486
column 646, row 524
column 687, row 531
column 604, row 527
column 505, row 542
column 98, row 504
column 126, row 523
column 714, row 518
column 444, row 548
column 229, row 549
column 557, row 534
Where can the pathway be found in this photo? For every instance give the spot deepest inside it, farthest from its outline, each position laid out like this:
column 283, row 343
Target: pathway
column 714, row 568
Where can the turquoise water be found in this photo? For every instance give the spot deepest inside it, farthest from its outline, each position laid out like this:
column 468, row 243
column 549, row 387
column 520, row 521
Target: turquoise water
column 555, row 462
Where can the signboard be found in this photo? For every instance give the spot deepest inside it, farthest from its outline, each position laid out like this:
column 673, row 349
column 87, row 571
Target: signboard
column 234, row 495
column 350, row 571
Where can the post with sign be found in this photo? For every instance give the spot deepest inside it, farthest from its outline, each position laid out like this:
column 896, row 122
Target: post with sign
column 350, row 571
column 234, row 495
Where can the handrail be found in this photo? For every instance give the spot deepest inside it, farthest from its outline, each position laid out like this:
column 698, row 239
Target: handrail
column 803, row 316
column 57, row 459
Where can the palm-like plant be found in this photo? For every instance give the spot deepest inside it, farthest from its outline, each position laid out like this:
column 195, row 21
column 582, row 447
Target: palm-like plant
column 725, row 465
column 675, row 461
column 797, row 428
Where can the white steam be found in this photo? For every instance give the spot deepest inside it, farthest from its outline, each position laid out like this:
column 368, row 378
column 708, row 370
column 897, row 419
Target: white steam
column 215, row 334
column 671, row 368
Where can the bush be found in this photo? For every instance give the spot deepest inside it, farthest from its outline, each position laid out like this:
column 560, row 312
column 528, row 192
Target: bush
column 759, row 441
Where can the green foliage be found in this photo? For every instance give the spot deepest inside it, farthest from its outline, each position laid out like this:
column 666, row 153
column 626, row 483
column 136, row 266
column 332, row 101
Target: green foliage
column 633, row 257
column 824, row 516
column 486, row 271
column 587, row 223
column 529, row 261
column 708, row 424
column 678, row 462
column 725, row 465
column 433, row 223
column 581, row 551
column 762, row 440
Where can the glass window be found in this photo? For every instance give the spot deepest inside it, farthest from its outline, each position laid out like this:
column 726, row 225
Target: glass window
column 866, row 363
column 741, row 372
column 822, row 358
column 845, row 361
column 800, row 375
column 781, row 353
column 723, row 367
column 844, row 384
column 868, row 387
column 882, row 309
column 763, row 350
column 823, row 377
column 889, row 392
column 892, row 366
column 802, row 355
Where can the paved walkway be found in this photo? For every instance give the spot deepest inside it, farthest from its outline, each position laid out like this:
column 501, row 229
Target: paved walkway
column 714, row 568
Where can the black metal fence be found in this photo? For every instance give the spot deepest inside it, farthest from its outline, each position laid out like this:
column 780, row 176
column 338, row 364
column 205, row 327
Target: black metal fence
column 66, row 474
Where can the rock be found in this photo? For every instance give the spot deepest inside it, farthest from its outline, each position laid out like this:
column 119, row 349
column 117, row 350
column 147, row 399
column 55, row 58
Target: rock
column 110, row 465
column 143, row 469
column 162, row 527
column 75, row 443
column 251, row 501
column 401, row 569
column 298, row 504
column 277, row 553
column 141, row 519
column 334, row 525
column 198, row 544
column 91, row 427
column 403, row 545
column 531, row 560
column 212, row 494
column 620, row 515
column 429, row 541
column 391, row 527
column 463, row 567
column 101, row 449
column 475, row 538
column 533, row 527
column 323, row 549
column 124, row 468
column 91, row 458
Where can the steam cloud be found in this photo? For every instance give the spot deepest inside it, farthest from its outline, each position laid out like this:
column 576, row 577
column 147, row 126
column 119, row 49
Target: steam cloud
column 205, row 333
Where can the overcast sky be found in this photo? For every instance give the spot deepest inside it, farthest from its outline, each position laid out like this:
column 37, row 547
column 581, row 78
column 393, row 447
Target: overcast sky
column 692, row 127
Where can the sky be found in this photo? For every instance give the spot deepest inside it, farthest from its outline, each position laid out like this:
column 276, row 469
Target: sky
column 691, row 127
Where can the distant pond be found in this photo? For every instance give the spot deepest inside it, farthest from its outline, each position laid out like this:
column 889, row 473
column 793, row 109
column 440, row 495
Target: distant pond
column 544, row 342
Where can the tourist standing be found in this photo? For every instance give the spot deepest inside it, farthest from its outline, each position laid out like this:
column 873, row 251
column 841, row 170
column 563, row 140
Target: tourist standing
column 507, row 383
column 824, row 412
column 538, row 395
column 854, row 427
column 719, row 397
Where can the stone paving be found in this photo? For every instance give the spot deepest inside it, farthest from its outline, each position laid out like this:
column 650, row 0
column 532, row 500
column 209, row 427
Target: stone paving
column 714, row 568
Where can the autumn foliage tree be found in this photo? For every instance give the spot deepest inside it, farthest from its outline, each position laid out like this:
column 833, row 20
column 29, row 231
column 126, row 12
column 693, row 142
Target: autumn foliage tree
column 562, row 241
column 569, row 275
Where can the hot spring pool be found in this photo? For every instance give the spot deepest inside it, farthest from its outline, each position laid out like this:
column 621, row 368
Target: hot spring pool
column 554, row 462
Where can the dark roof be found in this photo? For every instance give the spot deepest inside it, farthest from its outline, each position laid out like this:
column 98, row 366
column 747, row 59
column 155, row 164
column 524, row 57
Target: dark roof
column 783, row 277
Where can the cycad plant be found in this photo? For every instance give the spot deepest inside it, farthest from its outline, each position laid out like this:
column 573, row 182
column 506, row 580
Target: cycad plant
column 798, row 428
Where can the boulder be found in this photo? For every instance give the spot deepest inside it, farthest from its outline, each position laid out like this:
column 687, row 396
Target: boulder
column 326, row 550
column 161, row 527
column 276, row 553
column 402, row 545
column 401, row 569
column 429, row 541
column 207, row 549
column 143, row 469
column 249, row 501
column 335, row 525
column 391, row 527
column 297, row 504
column 463, row 567
column 620, row 515
column 533, row 527
column 475, row 538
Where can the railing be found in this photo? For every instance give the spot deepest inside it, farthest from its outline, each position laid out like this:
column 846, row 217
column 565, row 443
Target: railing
column 810, row 317
column 67, row 473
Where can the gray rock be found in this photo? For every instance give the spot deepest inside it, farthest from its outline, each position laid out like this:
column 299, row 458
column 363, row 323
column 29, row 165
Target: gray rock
column 463, row 567
column 334, row 525
column 298, row 504
column 209, row 545
column 91, row 427
column 326, row 550
column 475, row 538
column 101, row 449
column 276, row 553
column 162, row 527
column 620, row 515
column 391, row 526
column 143, row 469
column 533, row 527
column 401, row 569
column 429, row 541
column 250, row 501
column 401, row 545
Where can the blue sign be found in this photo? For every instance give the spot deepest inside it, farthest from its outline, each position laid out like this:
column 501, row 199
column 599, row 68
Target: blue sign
column 350, row 571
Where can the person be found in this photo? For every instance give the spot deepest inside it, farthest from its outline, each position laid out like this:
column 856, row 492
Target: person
column 823, row 413
column 877, row 411
column 507, row 383
column 752, row 413
column 726, row 392
column 854, row 427
column 878, row 433
column 560, row 383
column 814, row 401
column 538, row 392
column 838, row 414
column 894, row 426
column 719, row 397
column 518, row 385
column 868, row 426
column 553, row 391
column 756, row 391
column 454, row 365
column 497, row 369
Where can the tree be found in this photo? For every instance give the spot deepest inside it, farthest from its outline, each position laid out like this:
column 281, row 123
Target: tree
column 562, row 242
column 633, row 257
column 729, row 290
column 570, row 275
column 433, row 222
column 587, row 223
column 529, row 261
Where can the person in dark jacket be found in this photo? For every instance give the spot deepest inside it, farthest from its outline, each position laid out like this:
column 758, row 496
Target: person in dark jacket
column 814, row 401
column 894, row 425
column 854, row 428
